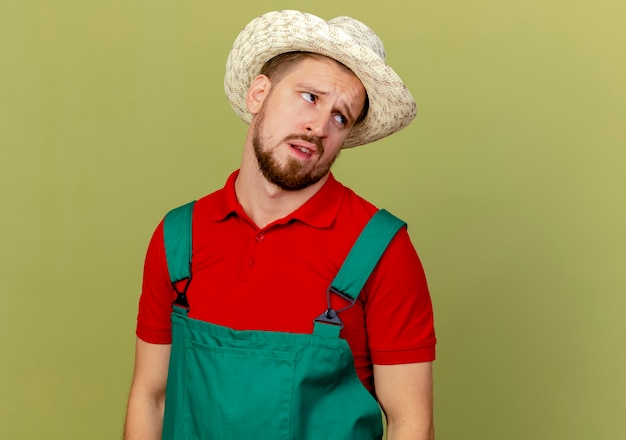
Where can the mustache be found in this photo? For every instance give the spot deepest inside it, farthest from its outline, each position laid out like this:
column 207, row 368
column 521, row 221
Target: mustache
column 311, row 139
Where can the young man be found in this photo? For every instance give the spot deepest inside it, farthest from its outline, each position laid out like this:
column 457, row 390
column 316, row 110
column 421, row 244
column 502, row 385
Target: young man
column 257, row 344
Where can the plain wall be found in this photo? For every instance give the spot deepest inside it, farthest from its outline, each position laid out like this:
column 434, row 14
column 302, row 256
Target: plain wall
column 511, row 179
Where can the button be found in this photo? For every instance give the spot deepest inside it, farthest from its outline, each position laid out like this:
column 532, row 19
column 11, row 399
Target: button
column 251, row 262
column 260, row 236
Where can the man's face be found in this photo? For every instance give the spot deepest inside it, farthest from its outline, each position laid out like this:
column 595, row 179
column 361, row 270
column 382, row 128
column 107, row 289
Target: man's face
column 303, row 121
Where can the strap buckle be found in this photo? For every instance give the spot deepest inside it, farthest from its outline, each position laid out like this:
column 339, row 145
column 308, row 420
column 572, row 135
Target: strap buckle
column 330, row 315
column 181, row 297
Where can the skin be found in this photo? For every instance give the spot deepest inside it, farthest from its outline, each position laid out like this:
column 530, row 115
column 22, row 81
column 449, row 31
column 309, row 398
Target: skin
column 146, row 402
column 405, row 392
column 297, row 129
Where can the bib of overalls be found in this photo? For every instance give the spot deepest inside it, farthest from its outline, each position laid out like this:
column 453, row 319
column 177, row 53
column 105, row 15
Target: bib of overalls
column 246, row 384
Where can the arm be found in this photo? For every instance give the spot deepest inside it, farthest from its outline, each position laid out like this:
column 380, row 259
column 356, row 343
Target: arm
column 405, row 392
column 146, row 403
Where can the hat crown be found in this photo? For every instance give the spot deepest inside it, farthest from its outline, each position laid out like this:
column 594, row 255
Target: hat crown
column 359, row 32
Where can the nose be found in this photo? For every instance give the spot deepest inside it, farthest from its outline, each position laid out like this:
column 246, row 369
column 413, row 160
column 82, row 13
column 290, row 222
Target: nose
column 317, row 124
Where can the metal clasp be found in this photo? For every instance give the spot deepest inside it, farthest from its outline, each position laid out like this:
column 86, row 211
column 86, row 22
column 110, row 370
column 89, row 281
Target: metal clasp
column 330, row 315
column 181, row 297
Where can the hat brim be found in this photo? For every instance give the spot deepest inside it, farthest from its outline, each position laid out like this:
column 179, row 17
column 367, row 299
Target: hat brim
column 391, row 105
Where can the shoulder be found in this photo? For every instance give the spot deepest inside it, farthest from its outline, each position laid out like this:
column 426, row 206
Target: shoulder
column 355, row 209
column 217, row 204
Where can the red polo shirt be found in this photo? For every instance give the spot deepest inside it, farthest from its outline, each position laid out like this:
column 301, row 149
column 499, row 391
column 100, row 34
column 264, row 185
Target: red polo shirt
column 275, row 278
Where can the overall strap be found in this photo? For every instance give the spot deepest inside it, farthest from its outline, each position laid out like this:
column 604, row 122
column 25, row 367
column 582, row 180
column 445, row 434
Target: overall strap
column 365, row 253
column 357, row 267
column 177, row 240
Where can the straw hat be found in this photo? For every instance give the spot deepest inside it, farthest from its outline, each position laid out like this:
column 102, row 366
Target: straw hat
column 391, row 106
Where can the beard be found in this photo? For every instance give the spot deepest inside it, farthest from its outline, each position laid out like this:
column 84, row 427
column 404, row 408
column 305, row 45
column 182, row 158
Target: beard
column 290, row 176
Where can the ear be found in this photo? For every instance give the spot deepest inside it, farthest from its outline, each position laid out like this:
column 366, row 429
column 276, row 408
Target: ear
column 257, row 92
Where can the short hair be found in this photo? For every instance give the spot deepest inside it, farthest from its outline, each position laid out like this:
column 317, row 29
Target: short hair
column 279, row 66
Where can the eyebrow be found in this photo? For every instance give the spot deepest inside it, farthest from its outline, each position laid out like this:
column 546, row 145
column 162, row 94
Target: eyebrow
column 343, row 105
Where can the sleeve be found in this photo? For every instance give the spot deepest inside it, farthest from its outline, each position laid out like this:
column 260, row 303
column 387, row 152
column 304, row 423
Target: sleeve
column 155, row 303
column 398, row 307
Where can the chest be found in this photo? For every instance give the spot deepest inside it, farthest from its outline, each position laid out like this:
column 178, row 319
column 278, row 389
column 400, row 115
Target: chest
column 274, row 279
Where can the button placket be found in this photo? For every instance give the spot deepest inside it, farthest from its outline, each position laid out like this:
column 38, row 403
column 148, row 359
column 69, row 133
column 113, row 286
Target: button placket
column 259, row 237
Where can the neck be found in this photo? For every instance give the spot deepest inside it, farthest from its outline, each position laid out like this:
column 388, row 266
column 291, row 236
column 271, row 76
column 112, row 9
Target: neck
column 263, row 201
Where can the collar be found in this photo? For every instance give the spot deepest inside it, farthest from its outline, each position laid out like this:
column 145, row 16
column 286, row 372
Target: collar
column 319, row 211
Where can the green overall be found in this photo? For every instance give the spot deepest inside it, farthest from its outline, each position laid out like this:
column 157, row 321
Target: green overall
column 242, row 385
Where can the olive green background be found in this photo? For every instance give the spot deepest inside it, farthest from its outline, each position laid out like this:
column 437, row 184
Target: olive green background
column 511, row 179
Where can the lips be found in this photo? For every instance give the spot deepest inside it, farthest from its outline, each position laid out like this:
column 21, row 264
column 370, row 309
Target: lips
column 306, row 146
column 302, row 149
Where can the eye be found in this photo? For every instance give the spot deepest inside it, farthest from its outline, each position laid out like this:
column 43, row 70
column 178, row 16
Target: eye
column 309, row 97
column 341, row 119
